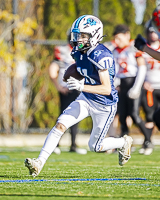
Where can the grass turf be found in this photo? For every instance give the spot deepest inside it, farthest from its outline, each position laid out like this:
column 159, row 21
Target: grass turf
column 74, row 166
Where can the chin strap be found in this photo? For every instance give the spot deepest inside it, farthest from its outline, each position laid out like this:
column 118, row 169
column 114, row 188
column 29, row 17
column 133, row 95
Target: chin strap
column 84, row 48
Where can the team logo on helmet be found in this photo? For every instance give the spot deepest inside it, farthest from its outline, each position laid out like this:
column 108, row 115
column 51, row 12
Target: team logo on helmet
column 90, row 22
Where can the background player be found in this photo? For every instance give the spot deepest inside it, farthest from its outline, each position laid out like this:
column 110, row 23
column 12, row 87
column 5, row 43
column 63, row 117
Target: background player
column 131, row 73
column 98, row 97
column 141, row 44
column 151, row 87
column 62, row 61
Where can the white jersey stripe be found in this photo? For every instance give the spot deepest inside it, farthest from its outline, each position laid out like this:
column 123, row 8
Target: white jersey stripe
column 98, row 65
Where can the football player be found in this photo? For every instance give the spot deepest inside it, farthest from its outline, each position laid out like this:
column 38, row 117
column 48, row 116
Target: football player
column 141, row 44
column 98, row 97
column 151, row 87
column 131, row 73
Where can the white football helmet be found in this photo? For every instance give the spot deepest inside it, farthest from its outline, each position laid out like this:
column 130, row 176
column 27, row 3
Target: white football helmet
column 87, row 24
column 148, row 27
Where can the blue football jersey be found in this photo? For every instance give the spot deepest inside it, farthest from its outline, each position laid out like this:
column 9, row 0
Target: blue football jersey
column 88, row 64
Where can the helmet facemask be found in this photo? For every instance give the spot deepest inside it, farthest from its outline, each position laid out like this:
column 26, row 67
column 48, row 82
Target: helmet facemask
column 81, row 41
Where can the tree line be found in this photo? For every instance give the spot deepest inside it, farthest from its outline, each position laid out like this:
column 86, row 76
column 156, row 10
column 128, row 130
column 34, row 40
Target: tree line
column 54, row 18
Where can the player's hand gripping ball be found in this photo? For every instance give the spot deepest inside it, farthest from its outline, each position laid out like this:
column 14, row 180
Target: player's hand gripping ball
column 72, row 71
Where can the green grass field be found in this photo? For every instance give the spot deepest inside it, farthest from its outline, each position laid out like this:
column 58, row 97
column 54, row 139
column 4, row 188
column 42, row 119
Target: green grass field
column 74, row 166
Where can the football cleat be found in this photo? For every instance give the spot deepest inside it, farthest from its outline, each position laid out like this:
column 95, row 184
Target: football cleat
column 78, row 150
column 125, row 151
column 34, row 165
column 148, row 151
column 142, row 149
column 57, row 151
column 147, row 148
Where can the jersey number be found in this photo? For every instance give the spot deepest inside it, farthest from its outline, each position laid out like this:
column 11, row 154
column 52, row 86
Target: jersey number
column 84, row 73
column 124, row 67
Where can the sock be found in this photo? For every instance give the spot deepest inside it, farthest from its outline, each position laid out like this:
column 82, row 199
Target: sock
column 144, row 130
column 112, row 143
column 149, row 132
column 50, row 144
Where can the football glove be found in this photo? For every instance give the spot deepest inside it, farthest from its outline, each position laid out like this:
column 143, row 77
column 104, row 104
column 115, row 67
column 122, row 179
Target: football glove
column 74, row 84
column 140, row 42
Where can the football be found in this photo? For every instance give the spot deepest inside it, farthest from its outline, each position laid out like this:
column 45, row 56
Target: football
column 72, row 71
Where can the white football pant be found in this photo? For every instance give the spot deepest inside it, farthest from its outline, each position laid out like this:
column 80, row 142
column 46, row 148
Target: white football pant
column 102, row 117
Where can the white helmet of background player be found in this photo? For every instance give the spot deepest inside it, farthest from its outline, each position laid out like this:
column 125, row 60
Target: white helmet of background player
column 86, row 24
column 149, row 27
column 149, row 30
column 155, row 21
